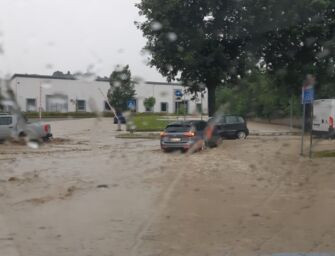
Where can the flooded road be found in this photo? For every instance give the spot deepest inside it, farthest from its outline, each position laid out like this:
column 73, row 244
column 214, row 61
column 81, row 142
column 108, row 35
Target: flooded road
column 89, row 193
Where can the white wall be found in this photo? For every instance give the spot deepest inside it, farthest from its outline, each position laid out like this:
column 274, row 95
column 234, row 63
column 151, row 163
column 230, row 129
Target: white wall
column 29, row 87
column 25, row 87
column 164, row 93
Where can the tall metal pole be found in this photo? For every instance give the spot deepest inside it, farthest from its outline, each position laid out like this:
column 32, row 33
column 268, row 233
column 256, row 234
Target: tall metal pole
column 201, row 106
column 112, row 109
column 311, row 135
column 303, row 129
column 40, row 107
column 291, row 114
column 184, row 106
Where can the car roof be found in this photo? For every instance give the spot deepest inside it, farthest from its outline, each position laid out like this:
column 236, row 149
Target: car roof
column 187, row 122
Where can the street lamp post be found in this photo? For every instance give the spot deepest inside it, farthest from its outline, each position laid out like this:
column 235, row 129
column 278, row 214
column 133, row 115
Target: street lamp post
column 40, row 103
column 16, row 90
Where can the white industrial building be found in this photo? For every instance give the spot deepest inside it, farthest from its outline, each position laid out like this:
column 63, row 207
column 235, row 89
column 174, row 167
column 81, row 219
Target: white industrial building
column 61, row 94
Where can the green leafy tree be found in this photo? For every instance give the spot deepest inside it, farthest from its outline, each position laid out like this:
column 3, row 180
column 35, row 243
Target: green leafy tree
column 215, row 42
column 149, row 103
column 187, row 42
column 293, row 39
column 122, row 88
column 257, row 96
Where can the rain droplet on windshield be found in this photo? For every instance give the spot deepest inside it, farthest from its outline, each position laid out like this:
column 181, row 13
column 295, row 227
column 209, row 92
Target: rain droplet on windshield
column 156, row 26
column 172, row 36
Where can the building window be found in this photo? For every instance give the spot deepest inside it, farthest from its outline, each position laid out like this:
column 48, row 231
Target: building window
column 31, row 105
column 181, row 108
column 164, row 107
column 199, row 108
column 81, row 105
column 57, row 103
column 106, row 106
column 6, row 120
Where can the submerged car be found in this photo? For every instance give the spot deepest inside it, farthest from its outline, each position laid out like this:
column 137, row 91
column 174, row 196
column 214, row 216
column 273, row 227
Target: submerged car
column 15, row 126
column 229, row 126
column 183, row 135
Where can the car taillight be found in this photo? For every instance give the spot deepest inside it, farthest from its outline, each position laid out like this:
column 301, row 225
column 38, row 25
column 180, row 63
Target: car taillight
column 189, row 134
column 46, row 128
column 162, row 134
column 331, row 122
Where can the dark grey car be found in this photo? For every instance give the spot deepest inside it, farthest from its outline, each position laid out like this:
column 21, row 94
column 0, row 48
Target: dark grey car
column 183, row 135
column 230, row 126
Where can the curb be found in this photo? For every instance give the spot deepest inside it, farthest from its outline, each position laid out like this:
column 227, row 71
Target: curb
column 156, row 135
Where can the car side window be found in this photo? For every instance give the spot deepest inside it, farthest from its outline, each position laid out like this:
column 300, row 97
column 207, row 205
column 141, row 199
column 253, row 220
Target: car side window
column 201, row 126
column 6, row 120
column 240, row 120
column 230, row 120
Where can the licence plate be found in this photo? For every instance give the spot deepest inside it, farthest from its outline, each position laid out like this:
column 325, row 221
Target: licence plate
column 175, row 139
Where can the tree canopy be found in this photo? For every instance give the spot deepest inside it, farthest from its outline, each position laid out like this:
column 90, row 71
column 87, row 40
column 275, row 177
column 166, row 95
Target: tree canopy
column 122, row 88
column 215, row 42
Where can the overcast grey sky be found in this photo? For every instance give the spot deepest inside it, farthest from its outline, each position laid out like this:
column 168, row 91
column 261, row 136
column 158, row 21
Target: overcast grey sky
column 41, row 36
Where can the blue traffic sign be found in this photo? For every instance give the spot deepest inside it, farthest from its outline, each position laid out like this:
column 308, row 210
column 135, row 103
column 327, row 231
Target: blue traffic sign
column 307, row 94
column 131, row 104
column 178, row 93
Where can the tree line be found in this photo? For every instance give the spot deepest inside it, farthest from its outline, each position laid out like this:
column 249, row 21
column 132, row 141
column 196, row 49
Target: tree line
column 242, row 46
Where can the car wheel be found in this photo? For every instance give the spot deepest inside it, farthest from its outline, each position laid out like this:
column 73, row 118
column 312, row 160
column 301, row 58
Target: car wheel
column 22, row 134
column 241, row 135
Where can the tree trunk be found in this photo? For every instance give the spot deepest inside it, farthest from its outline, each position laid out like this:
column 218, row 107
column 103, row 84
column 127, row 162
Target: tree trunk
column 211, row 99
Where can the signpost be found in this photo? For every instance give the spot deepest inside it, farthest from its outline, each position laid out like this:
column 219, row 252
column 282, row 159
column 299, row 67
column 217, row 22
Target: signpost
column 131, row 104
column 178, row 98
column 307, row 98
column 112, row 109
column 178, row 93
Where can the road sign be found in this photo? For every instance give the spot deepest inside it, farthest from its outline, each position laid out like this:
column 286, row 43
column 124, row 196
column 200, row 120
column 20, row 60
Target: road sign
column 307, row 97
column 131, row 104
column 178, row 93
column 307, row 94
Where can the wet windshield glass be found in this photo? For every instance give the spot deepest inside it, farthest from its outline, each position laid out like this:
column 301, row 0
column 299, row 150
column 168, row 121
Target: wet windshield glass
column 167, row 127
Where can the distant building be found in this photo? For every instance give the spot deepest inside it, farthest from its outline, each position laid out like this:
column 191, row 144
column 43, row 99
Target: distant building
column 67, row 94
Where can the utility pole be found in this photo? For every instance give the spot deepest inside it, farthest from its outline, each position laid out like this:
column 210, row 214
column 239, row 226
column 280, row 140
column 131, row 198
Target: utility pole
column 184, row 106
column 112, row 109
column 291, row 114
column 40, row 107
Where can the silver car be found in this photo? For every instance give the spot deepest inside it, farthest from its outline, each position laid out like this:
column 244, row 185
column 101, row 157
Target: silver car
column 183, row 135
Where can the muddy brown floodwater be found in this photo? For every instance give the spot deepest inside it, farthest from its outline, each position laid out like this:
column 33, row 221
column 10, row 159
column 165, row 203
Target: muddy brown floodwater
column 90, row 194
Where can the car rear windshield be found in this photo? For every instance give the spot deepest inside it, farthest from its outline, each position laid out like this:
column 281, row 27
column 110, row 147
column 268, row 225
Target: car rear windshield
column 177, row 128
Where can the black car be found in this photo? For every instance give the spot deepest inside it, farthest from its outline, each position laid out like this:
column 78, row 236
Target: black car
column 229, row 126
column 183, row 135
column 121, row 118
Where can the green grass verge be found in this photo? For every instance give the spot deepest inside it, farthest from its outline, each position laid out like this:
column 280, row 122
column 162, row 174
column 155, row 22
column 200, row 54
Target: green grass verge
column 322, row 154
column 149, row 123
column 66, row 115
